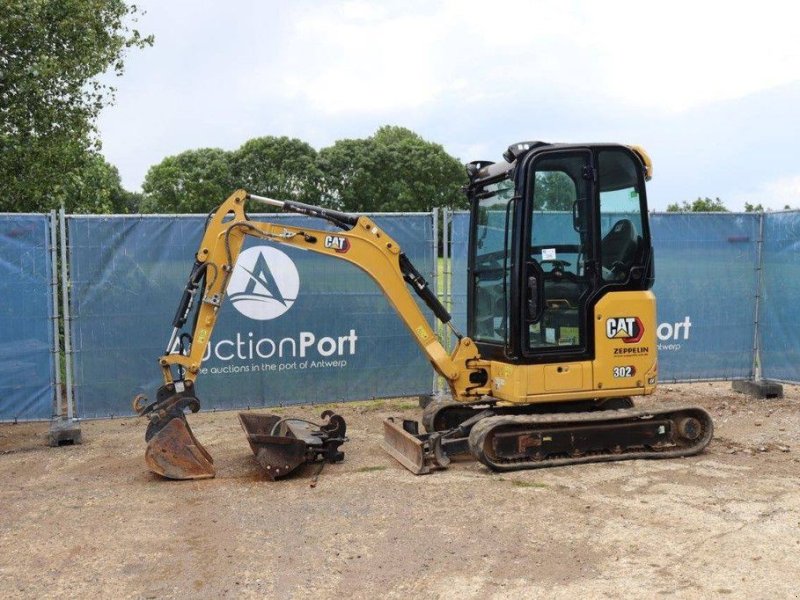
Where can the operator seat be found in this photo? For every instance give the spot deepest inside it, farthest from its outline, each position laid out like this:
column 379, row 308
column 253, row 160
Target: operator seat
column 618, row 248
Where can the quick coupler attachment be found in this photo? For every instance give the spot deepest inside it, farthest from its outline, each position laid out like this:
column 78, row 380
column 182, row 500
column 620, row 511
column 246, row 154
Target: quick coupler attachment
column 282, row 444
column 172, row 450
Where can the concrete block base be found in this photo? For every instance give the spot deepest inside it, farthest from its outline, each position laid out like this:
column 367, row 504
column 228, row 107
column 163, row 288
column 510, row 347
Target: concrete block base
column 63, row 432
column 758, row 389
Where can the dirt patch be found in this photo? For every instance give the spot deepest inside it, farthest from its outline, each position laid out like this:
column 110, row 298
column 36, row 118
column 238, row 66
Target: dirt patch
column 89, row 520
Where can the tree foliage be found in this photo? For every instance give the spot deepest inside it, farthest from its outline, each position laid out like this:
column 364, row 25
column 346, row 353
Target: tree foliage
column 198, row 180
column 699, row 205
column 554, row 190
column 394, row 170
column 51, row 54
column 195, row 181
column 95, row 188
column 279, row 167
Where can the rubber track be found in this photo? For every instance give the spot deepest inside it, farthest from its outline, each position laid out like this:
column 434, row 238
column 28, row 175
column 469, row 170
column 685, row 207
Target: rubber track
column 485, row 427
column 431, row 412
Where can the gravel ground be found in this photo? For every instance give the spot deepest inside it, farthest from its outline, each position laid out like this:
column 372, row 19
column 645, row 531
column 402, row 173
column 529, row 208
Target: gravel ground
column 91, row 521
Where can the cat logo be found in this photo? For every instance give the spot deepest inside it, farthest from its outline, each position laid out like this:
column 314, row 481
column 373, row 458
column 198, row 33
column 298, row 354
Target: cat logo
column 627, row 329
column 338, row 243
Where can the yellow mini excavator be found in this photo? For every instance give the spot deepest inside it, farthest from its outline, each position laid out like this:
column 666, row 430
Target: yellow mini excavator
column 561, row 323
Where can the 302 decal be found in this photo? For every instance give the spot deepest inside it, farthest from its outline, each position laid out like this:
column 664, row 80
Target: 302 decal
column 620, row 372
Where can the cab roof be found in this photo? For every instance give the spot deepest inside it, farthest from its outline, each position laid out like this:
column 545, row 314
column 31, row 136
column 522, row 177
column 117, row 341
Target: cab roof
column 481, row 170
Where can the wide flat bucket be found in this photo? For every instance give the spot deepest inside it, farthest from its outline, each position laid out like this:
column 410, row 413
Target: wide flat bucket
column 277, row 454
column 173, row 452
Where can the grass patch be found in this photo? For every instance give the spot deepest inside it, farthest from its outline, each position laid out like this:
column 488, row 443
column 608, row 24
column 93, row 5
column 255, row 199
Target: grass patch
column 406, row 405
column 371, row 469
column 369, row 405
column 527, row 484
column 385, row 404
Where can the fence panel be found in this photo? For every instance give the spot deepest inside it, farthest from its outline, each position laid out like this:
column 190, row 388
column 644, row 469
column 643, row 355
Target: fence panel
column 706, row 281
column 339, row 338
column 779, row 310
column 26, row 312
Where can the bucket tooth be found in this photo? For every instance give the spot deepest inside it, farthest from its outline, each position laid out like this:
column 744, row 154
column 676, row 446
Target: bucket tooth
column 173, row 452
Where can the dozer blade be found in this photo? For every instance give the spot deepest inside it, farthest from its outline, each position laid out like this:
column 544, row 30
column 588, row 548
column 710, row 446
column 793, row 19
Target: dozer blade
column 419, row 453
column 173, row 452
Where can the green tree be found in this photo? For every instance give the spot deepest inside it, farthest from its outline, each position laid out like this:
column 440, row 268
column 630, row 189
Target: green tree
column 95, row 187
column 394, row 170
column 191, row 182
column 554, row 190
column 51, row 54
column 699, row 205
column 278, row 167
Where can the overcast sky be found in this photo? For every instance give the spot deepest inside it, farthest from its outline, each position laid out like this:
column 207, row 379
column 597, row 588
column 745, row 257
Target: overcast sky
column 712, row 91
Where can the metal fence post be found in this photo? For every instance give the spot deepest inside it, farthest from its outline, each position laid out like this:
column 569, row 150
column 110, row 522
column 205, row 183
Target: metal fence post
column 757, row 374
column 448, row 268
column 58, row 409
column 435, row 216
column 442, row 292
column 758, row 387
column 65, row 429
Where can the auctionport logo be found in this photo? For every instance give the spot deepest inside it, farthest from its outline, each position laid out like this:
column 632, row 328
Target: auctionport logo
column 264, row 283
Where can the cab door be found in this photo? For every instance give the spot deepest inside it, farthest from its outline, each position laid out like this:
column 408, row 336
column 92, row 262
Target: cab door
column 557, row 256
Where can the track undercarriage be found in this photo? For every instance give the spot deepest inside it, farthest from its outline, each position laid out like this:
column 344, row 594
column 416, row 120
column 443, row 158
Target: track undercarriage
column 508, row 438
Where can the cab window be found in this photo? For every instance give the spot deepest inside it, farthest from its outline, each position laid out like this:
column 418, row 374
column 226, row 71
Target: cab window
column 494, row 224
column 620, row 213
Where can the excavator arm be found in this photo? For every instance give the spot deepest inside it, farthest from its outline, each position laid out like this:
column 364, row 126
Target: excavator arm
column 173, row 451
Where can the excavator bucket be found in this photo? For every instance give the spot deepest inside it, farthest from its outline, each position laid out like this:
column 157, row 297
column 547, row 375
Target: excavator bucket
column 173, row 452
column 282, row 444
column 278, row 455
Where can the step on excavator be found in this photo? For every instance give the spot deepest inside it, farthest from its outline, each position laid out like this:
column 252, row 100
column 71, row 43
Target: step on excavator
column 561, row 325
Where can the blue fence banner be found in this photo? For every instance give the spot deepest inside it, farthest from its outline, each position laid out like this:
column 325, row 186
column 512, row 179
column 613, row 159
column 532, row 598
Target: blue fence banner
column 26, row 312
column 296, row 327
column 706, row 283
column 706, row 287
column 779, row 310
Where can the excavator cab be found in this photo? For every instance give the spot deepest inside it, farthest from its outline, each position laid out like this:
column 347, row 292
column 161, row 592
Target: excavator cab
column 560, row 311
column 554, row 229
